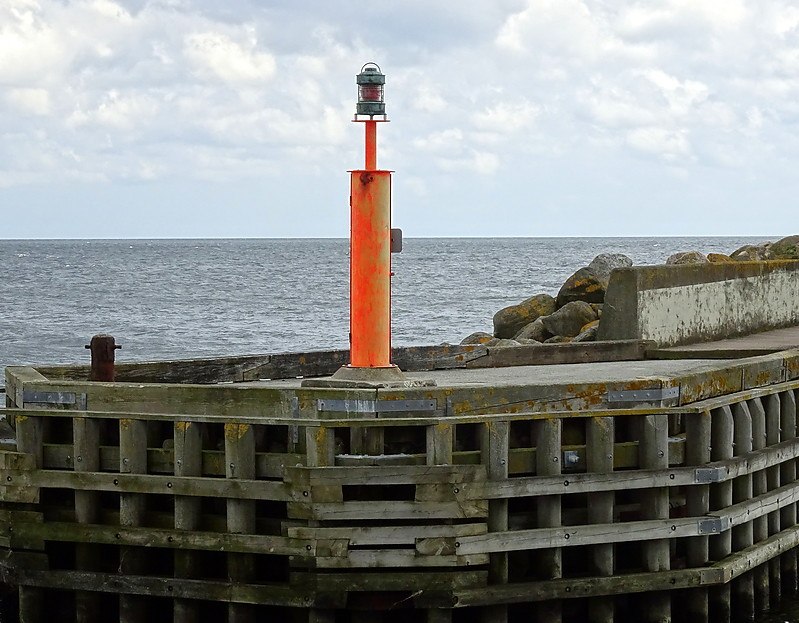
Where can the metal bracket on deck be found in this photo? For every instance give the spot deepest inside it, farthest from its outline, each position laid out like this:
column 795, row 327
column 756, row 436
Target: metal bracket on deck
column 644, row 395
column 706, row 475
column 375, row 406
column 714, row 525
column 54, row 398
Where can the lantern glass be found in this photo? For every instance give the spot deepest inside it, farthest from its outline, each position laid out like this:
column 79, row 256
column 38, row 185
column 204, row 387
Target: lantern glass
column 370, row 91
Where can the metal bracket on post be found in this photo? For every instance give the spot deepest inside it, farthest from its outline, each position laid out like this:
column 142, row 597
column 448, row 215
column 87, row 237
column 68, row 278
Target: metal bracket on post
column 54, row 398
column 396, row 240
column 714, row 525
column 707, row 475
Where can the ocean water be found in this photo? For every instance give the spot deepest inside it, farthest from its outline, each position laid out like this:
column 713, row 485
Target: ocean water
column 166, row 299
column 196, row 298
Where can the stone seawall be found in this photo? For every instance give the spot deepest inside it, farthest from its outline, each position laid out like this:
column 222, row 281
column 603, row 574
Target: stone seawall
column 674, row 305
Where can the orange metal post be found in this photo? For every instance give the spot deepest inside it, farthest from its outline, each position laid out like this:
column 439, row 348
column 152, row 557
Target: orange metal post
column 370, row 268
column 371, row 145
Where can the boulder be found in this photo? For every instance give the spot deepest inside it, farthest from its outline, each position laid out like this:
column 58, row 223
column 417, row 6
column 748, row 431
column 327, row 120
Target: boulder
column 590, row 282
column 687, row 257
column 753, row 253
column 597, row 307
column 525, row 341
column 533, row 331
column 719, row 258
column 589, row 334
column 501, row 343
column 569, row 319
column 479, row 337
column 786, row 249
column 558, row 339
column 590, row 325
column 510, row 320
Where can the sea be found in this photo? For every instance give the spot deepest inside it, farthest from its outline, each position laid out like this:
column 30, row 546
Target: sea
column 177, row 299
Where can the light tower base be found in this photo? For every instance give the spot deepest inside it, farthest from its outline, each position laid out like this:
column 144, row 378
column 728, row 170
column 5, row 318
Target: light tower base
column 349, row 377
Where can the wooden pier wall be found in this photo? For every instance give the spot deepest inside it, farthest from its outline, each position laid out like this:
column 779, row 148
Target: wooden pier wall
column 607, row 502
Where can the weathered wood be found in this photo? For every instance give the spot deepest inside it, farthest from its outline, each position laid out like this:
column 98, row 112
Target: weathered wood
column 697, row 452
column 600, row 436
column 439, row 444
column 132, row 561
column 720, row 546
column 743, row 590
column 494, row 444
column 773, row 428
column 788, row 475
column 187, row 462
column 240, row 461
column 547, row 434
column 759, row 487
column 86, row 437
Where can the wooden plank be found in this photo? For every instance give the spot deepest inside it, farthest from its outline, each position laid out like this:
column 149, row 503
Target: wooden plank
column 494, row 444
column 788, row 474
column 385, row 535
column 720, row 546
column 240, row 462
column 388, row 510
column 187, row 462
column 86, row 437
column 697, row 453
column 742, row 532
column 760, row 487
column 396, row 558
column 600, row 435
column 547, row 435
column 439, row 444
column 387, row 475
column 554, row 354
column 132, row 506
column 773, row 429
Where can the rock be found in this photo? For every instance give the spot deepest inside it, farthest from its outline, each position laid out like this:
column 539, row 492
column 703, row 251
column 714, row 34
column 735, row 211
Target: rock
column 753, row 253
column 525, row 341
column 719, row 258
column 569, row 319
column 533, row 331
column 589, row 325
column 501, row 343
column 510, row 320
column 597, row 307
column 590, row 282
column 479, row 337
column 786, row 249
column 687, row 257
column 588, row 334
column 558, row 339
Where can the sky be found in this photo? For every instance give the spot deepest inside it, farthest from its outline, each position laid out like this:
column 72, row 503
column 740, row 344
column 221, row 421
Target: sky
column 201, row 118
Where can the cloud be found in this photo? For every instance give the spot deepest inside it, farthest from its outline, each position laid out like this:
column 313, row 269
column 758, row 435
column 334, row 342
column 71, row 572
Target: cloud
column 215, row 53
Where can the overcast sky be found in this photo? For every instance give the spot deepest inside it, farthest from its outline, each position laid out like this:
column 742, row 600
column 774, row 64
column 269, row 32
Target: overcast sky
column 202, row 118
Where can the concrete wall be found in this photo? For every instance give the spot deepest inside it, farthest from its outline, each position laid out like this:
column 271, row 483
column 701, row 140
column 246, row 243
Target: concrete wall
column 702, row 302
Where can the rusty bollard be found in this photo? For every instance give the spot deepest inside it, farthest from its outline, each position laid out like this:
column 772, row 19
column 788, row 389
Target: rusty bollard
column 102, row 347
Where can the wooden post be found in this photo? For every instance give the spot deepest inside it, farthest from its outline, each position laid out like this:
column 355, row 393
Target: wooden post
column 494, row 446
column 720, row 545
column 132, row 561
column 773, row 436
column 697, row 452
column 742, row 535
column 240, row 464
column 653, row 448
column 439, row 452
column 599, row 459
column 188, row 462
column 788, row 475
column 30, row 437
column 759, row 487
column 86, row 458
column 548, row 463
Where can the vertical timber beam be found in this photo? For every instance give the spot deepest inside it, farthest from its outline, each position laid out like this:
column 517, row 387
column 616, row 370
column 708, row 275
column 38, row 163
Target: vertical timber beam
column 720, row 498
column 439, row 452
column 773, row 430
column 697, row 452
column 86, row 456
column 787, row 476
column 494, row 445
column 188, row 462
column 240, row 464
column 760, row 487
column 30, row 438
column 742, row 535
column 654, row 454
column 132, row 561
column 548, row 453
column 599, row 459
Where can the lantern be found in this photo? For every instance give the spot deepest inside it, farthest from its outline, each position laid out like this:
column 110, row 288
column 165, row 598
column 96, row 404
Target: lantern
column 370, row 91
